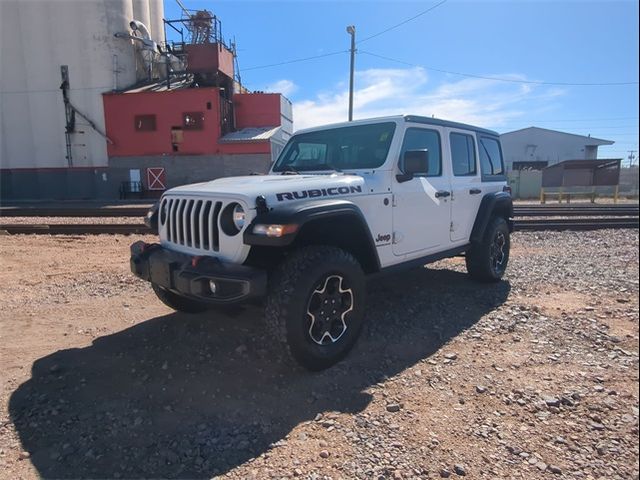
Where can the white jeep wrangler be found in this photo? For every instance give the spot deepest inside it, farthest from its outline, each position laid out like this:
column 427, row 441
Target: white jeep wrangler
column 340, row 203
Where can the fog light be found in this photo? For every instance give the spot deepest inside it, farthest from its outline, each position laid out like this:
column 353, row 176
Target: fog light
column 213, row 286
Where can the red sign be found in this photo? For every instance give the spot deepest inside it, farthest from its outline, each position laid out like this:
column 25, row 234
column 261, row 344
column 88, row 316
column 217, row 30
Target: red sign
column 156, row 178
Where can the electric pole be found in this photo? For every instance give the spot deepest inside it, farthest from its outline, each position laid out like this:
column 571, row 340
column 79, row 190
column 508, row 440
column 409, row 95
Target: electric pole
column 351, row 30
column 632, row 158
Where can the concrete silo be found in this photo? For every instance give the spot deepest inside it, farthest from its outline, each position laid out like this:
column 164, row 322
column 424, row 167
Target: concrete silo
column 49, row 148
column 156, row 16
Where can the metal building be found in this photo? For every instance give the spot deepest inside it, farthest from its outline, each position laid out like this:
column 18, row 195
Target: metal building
column 538, row 148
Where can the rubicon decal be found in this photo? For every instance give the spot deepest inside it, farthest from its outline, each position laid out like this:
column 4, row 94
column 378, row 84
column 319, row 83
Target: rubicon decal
column 318, row 192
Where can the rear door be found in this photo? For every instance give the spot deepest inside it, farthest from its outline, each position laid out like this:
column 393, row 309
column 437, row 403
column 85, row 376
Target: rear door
column 466, row 185
column 421, row 212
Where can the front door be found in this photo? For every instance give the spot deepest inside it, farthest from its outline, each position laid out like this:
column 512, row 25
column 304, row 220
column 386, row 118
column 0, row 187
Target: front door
column 421, row 213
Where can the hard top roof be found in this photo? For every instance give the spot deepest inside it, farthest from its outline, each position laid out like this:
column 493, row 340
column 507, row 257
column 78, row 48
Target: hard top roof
column 406, row 118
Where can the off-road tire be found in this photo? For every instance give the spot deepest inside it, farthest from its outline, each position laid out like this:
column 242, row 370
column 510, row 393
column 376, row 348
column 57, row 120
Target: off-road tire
column 178, row 302
column 481, row 260
column 291, row 288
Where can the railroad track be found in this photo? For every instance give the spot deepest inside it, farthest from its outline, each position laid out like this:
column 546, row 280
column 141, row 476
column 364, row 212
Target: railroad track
column 538, row 224
column 543, row 224
column 564, row 210
column 76, row 229
column 521, row 211
column 108, row 211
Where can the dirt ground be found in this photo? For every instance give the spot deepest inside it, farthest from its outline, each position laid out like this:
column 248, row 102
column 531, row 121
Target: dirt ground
column 532, row 377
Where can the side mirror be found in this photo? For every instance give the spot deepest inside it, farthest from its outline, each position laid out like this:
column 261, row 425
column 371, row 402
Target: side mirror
column 414, row 162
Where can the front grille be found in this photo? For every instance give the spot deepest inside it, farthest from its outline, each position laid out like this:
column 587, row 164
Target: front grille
column 191, row 222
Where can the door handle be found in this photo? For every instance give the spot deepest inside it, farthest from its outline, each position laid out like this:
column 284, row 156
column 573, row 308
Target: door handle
column 442, row 193
column 475, row 191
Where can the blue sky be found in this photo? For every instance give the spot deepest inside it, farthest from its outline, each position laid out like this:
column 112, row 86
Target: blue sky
column 539, row 41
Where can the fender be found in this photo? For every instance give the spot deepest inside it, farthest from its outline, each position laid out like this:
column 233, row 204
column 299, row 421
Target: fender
column 491, row 202
column 304, row 214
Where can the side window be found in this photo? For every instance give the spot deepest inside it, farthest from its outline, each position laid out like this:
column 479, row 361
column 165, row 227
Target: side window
column 144, row 123
column 420, row 138
column 490, row 157
column 193, row 121
column 463, row 154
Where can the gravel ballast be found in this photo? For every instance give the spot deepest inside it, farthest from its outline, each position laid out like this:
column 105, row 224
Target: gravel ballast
column 535, row 377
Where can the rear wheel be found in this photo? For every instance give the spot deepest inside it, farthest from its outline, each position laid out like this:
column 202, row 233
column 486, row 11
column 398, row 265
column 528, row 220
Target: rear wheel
column 487, row 261
column 178, row 302
column 316, row 305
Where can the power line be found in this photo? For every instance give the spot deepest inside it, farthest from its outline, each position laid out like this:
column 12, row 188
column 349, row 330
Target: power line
column 296, row 60
column 403, row 22
column 343, row 51
column 500, row 79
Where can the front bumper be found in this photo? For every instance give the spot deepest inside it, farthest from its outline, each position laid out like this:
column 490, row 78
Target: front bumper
column 191, row 276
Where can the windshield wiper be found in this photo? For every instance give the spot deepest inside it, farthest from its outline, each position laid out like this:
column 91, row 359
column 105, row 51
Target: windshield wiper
column 289, row 171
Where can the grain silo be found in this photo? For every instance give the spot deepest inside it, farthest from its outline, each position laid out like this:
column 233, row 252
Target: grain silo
column 57, row 58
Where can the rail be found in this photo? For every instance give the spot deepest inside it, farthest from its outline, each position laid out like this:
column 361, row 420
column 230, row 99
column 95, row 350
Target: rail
column 538, row 224
column 140, row 210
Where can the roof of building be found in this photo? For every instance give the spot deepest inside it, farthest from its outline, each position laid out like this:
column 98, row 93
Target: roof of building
column 159, row 86
column 589, row 140
column 250, row 134
column 581, row 164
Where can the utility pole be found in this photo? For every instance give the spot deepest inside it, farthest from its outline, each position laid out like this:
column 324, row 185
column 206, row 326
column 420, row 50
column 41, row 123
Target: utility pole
column 632, row 158
column 351, row 30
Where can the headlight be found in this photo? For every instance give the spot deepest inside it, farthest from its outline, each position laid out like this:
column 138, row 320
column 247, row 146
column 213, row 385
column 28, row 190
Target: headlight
column 232, row 219
column 274, row 230
column 238, row 216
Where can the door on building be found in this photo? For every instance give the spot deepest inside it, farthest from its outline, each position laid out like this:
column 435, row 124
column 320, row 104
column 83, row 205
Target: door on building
column 135, row 181
column 156, row 179
column 422, row 211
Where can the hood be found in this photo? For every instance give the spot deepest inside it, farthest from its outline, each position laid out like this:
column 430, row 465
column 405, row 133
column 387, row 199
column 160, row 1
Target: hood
column 277, row 189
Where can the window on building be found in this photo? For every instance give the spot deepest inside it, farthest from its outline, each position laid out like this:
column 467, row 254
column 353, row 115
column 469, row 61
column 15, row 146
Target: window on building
column 421, row 138
column 193, row 120
column 463, row 154
column 490, row 157
column 145, row 123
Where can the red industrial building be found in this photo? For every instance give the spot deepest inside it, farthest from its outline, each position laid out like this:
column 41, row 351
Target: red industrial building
column 130, row 106
column 196, row 124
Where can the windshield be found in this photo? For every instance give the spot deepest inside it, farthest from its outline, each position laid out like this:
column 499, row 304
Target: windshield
column 345, row 148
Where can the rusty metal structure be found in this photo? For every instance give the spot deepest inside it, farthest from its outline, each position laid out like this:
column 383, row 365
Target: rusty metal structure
column 580, row 177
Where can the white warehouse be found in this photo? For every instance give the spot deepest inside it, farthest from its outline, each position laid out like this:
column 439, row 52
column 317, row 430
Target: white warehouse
column 535, row 147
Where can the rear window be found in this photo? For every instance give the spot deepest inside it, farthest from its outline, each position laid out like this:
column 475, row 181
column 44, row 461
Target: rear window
column 463, row 154
column 491, row 164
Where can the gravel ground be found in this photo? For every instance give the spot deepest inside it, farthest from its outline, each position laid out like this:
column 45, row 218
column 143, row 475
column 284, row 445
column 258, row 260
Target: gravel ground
column 533, row 377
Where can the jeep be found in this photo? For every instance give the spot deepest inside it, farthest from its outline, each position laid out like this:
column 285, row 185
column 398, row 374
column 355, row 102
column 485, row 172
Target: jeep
column 340, row 203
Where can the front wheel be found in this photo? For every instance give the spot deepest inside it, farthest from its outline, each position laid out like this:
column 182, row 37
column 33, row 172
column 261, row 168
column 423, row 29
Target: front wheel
column 178, row 302
column 487, row 260
column 316, row 305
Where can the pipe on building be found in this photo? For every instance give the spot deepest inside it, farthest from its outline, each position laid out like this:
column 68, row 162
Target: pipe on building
column 138, row 26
